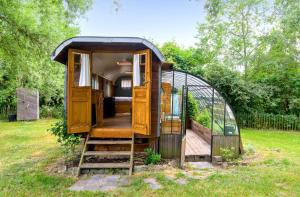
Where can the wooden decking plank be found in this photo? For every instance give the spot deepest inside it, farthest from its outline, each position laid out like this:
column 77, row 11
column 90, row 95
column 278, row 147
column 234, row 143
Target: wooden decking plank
column 111, row 132
column 195, row 145
column 107, row 153
column 109, row 142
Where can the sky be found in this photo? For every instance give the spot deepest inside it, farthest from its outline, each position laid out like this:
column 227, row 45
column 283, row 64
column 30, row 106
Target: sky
column 157, row 20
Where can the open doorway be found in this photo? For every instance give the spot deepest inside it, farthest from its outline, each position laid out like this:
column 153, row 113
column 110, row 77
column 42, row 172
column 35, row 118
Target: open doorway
column 118, row 106
column 112, row 78
column 124, row 94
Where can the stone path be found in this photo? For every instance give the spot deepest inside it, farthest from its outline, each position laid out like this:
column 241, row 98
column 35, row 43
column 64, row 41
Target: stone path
column 199, row 170
column 153, row 183
column 179, row 181
column 203, row 165
column 101, row 183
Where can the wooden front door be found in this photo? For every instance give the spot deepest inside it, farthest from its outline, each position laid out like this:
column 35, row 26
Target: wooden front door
column 79, row 91
column 141, row 96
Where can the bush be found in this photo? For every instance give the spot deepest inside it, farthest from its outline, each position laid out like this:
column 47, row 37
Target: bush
column 228, row 154
column 51, row 111
column 152, row 157
column 67, row 141
column 204, row 118
column 249, row 149
column 193, row 107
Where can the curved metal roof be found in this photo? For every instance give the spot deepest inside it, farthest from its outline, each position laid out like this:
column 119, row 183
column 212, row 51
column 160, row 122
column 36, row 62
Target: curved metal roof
column 103, row 43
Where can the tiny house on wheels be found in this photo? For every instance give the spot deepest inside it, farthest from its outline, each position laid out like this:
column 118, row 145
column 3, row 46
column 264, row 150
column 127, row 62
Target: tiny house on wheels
column 122, row 96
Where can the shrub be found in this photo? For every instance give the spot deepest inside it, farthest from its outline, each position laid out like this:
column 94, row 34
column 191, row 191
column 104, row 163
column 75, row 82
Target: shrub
column 228, row 154
column 152, row 157
column 51, row 111
column 249, row 149
column 67, row 141
column 204, row 118
column 192, row 106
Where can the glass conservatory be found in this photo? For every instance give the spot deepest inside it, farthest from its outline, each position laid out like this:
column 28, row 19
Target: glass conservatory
column 200, row 117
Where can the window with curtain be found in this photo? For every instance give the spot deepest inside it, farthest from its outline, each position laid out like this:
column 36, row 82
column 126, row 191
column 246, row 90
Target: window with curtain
column 82, row 74
column 126, row 83
column 139, row 69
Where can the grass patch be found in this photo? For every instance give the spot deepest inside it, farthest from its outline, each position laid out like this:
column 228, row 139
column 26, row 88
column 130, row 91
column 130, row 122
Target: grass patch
column 27, row 149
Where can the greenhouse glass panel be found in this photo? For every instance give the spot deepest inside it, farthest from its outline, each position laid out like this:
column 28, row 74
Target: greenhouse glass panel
column 230, row 123
column 218, row 117
column 205, row 104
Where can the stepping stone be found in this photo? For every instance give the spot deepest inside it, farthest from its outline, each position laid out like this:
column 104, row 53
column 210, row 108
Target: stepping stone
column 153, row 183
column 203, row 165
column 196, row 175
column 181, row 181
column 101, row 183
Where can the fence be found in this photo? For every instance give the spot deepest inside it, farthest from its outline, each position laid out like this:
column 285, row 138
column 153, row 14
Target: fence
column 269, row 121
column 4, row 111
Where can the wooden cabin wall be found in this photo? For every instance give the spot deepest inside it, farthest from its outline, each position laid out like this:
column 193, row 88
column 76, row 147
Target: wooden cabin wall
column 65, row 90
column 154, row 102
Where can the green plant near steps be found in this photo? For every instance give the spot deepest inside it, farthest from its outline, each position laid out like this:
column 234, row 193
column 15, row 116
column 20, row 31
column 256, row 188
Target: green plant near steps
column 204, row 118
column 151, row 157
column 228, row 154
column 66, row 140
column 192, row 106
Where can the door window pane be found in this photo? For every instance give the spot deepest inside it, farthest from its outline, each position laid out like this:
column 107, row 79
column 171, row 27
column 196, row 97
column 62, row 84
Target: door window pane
column 82, row 75
column 139, row 62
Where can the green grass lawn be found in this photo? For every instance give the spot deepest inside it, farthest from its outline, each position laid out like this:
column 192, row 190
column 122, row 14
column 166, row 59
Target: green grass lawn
column 27, row 150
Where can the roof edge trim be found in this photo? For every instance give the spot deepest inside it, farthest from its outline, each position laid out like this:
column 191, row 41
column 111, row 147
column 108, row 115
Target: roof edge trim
column 91, row 39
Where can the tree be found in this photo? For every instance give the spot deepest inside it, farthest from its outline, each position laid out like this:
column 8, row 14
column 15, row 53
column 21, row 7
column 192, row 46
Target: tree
column 30, row 31
column 276, row 62
column 242, row 96
column 231, row 31
column 184, row 59
column 264, row 38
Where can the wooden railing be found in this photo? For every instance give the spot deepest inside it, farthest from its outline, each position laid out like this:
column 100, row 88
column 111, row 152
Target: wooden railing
column 268, row 121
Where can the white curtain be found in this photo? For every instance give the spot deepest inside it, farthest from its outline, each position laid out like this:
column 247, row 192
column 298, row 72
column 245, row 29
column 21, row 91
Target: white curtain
column 136, row 70
column 84, row 79
column 96, row 83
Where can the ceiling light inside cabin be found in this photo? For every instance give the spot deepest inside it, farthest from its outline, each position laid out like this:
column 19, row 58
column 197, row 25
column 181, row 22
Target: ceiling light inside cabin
column 124, row 63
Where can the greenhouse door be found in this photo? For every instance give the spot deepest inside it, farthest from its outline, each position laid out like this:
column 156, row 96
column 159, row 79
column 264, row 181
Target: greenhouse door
column 183, row 124
column 79, row 91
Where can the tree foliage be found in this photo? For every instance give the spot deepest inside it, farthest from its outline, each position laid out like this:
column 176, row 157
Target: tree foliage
column 249, row 50
column 30, row 31
column 184, row 59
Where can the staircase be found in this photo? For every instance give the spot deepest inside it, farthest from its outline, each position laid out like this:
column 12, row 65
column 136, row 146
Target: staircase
column 83, row 164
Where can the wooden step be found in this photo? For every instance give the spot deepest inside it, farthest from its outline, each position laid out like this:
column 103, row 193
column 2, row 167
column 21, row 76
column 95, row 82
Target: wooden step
column 107, row 153
column 105, row 165
column 111, row 132
column 109, row 142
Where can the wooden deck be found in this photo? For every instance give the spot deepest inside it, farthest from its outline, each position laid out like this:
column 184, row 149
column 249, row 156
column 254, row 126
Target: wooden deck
column 115, row 127
column 122, row 120
column 195, row 145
